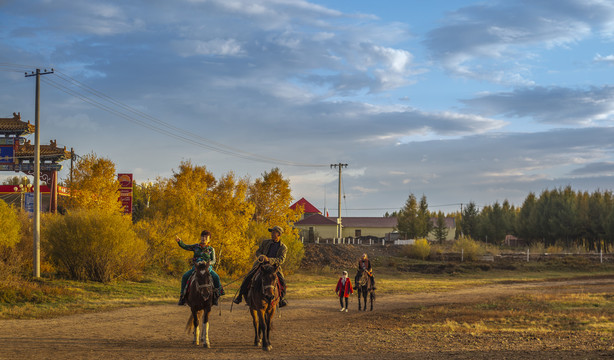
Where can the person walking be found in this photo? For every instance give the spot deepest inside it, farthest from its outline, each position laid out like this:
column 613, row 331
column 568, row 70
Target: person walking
column 343, row 290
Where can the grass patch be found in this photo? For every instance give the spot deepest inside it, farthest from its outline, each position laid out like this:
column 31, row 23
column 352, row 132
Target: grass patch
column 49, row 297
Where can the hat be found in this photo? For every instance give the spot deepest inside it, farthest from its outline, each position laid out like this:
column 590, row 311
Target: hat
column 278, row 229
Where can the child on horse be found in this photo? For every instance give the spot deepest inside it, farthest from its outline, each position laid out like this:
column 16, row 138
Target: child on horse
column 202, row 252
column 271, row 251
column 364, row 265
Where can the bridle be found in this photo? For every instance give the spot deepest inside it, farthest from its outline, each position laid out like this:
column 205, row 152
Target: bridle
column 201, row 288
column 266, row 287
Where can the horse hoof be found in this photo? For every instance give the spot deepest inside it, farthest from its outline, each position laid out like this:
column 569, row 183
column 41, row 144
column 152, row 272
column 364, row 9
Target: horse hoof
column 206, row 345
column 267, row 348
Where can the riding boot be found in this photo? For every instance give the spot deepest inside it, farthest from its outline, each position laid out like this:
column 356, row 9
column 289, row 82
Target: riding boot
column 214, row 299
column 238, row 299
column 221, row 290
column 181, row 300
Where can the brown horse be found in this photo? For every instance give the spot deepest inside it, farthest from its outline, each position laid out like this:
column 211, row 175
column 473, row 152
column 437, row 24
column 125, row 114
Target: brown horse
column 262, row 299
column 365, row 287
column 200, row 298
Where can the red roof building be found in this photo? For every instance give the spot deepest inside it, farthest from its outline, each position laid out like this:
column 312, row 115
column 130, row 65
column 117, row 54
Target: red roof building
column 308, row 209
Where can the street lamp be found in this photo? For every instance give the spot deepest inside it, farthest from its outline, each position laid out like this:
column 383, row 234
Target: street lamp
column 21, row 189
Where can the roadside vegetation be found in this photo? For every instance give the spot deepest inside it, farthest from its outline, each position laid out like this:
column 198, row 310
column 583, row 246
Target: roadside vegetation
column 94, row 259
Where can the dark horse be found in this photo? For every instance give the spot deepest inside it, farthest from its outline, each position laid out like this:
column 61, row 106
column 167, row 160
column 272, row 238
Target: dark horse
column 262, row 299
column 200, row 298
column 365, row 287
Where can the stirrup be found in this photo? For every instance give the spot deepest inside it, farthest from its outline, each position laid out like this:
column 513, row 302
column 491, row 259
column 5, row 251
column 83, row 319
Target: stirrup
column 237, row 300
column 282, row 303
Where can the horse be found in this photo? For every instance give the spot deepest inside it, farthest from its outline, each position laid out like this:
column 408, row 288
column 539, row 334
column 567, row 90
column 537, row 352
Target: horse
column 365, row 286
column 262, row 298
column 200, row 299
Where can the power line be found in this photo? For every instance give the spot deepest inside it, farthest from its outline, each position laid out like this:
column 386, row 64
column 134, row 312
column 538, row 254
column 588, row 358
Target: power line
column 89, row 95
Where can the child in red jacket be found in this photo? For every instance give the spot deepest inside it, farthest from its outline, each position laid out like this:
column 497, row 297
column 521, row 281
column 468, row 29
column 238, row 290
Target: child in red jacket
column 343, row 290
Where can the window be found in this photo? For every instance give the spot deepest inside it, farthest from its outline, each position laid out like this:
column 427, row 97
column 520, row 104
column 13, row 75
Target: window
column 357, row 233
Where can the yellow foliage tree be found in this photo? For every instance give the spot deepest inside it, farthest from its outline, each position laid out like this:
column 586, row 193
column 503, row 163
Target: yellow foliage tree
column 271, row 196
column 94, row 185
column 190, row 201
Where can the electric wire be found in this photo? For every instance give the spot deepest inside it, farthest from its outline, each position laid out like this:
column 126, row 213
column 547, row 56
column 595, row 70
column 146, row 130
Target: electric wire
column 79, row 90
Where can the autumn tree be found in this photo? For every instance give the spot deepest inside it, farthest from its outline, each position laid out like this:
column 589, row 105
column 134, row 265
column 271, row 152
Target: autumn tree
column 193, row 200
column 94, row 185
column 271, row 197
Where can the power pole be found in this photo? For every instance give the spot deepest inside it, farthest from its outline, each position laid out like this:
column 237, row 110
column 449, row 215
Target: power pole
column 37, row 174
column 339, row 165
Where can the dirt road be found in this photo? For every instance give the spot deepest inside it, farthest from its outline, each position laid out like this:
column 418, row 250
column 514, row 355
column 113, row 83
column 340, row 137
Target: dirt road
column 307, row 329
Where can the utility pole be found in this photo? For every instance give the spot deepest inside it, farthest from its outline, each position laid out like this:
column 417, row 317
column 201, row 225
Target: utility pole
column 339, row 165
column 37, row 174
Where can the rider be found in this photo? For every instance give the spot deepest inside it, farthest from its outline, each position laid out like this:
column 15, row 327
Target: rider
column 274, row 252
column 364, row 265
column 202, row 252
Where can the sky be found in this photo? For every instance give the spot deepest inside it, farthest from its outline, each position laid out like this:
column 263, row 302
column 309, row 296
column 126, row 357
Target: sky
column 457, row 100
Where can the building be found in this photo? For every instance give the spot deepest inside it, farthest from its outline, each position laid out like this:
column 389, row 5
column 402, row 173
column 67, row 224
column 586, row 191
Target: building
column 308, row 209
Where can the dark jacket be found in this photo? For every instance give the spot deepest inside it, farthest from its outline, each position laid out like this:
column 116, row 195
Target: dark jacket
column 279, row 258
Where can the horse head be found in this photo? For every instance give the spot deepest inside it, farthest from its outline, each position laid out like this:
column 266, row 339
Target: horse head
column 204, row 282
column 268, row 278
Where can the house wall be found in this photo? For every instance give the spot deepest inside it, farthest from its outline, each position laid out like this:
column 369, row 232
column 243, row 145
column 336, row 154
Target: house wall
column 366, row 231
column 451, row 232
column 321, row 231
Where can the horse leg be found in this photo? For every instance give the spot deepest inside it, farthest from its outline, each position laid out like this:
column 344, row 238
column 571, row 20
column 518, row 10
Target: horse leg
column 257, row 340
column 359, row 299
column 196, row 321
column 263, row 329
column 269, row 318
column 205, row 329
column 364, row 298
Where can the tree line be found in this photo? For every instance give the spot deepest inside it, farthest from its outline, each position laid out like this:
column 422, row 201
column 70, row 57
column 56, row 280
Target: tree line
column 90, row 238
column 559, row 216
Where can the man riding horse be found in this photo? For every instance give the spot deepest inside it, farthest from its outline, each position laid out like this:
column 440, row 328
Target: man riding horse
column 364, row 265
column 202, row 252
column 271, row 251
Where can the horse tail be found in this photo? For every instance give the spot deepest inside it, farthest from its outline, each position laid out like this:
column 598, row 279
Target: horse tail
column 189, row 327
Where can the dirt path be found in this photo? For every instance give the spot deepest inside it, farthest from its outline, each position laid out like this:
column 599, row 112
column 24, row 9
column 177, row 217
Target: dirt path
column 307, row 329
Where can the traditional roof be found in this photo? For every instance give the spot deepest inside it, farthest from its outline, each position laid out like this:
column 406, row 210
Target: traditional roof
column 47, row 152
column 306, row 205
column 14, row 126
column 316, row 219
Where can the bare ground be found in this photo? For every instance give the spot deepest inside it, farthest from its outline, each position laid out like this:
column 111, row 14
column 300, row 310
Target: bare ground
column 307, row 329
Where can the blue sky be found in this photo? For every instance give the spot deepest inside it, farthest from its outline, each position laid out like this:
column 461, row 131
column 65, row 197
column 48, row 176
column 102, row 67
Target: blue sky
column 458, row 100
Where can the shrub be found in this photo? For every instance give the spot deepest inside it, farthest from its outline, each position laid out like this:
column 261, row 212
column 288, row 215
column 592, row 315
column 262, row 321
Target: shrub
column 10, row 226
column 98, row 245
column 420, row 249
column 471, row 249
